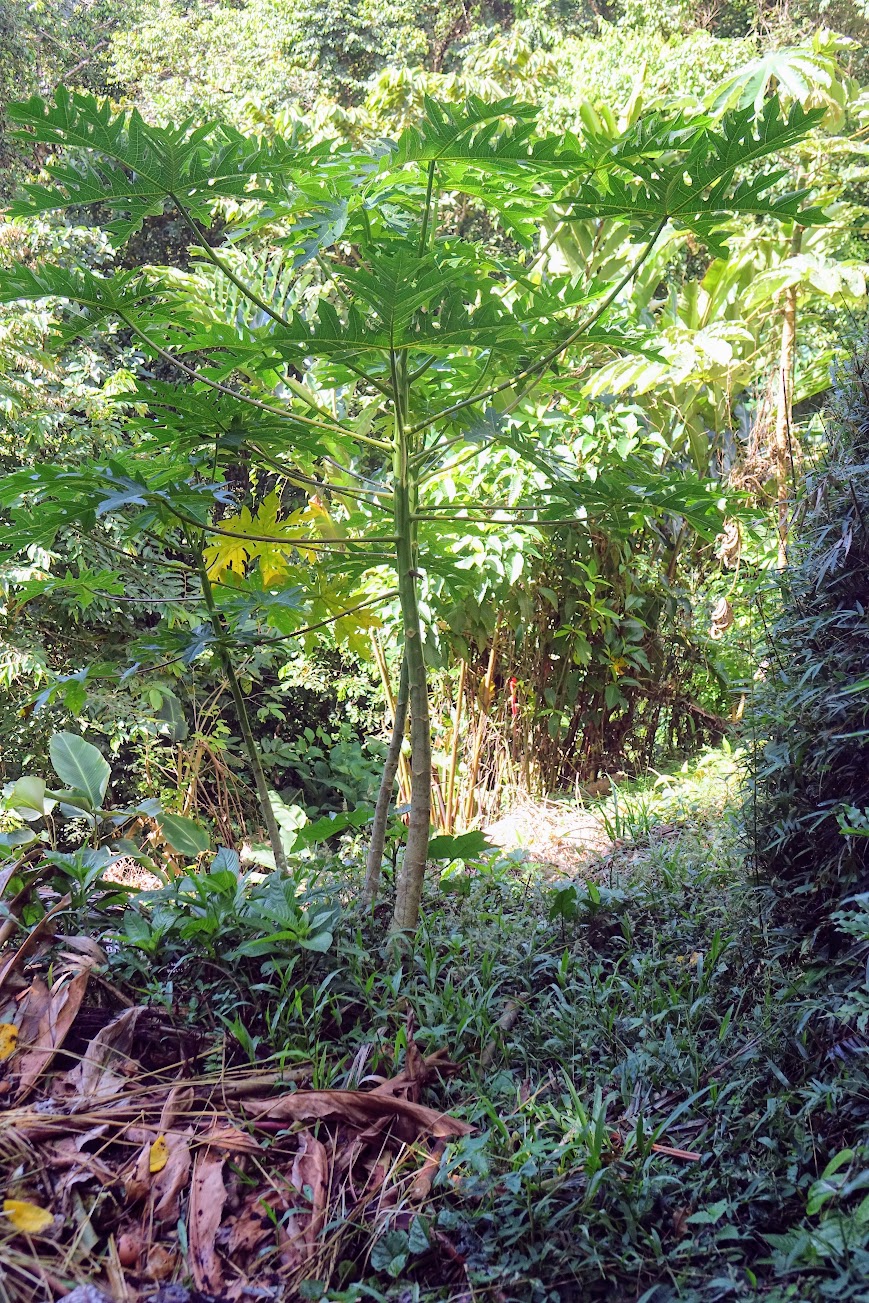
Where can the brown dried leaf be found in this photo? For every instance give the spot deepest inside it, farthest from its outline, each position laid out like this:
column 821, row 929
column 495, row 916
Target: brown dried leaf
column 34, row 1004
column 178, row 1104
column 418, row 1072
column 85, row 946
column 161, row 1263
column 167, row 1185
column 357, row 1108
column 420, row 1186
column 207, row 1197
column 54, row 1024
column 37, row 934
column 311, row 1170
column 99, row 1074
column 253, row 1224
column 224, row 1135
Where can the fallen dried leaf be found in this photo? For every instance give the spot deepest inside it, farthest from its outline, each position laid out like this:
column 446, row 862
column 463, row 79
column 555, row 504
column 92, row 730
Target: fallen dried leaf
column 207, row 1197
column 420, row 1186
column 358, row 1108
column 8, row 1040
column 54, row 1024
column 27, row 1217
column 98, row 1075
column 310, row 1176
column 31, row 941
column 224, row 1135
column 158, row 1155
column 167, row 1185
column 161, row 1263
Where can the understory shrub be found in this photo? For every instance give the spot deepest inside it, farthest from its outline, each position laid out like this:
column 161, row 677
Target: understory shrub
column 810, row 789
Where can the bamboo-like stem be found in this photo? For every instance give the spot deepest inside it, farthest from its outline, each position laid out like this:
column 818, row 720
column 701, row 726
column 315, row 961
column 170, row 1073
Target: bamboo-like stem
column 262, row 787
column 781, row 449
column 384, row 796
column 412, row 872
column 454, row 748
column 488, row 687
column 403, row 766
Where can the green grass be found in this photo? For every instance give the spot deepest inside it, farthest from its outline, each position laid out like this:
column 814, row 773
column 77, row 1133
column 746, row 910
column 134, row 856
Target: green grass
column 657, row 1015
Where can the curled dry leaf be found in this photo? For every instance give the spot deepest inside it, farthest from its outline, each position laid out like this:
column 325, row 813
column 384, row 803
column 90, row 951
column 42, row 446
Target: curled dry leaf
column 33, row 1004
column 310, row 1177
column 358, row 1108
column 417, row 1072
column 99, row 1074
column 41, row 932
column 167, row 1185
column 54, row 1024
column 420, row 1187
column 207, row 1197
column 85, row 946
column 161, row 1263
column 226, row 1136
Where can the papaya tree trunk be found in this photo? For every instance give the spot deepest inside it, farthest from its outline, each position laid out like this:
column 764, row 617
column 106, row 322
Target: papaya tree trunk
column 384, row 796
column 412, row 872
column 781, row 450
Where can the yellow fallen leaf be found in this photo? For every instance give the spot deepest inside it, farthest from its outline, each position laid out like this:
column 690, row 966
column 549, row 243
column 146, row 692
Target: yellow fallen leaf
column 26, row 1216
column 159, row 1155
column 8, row 1039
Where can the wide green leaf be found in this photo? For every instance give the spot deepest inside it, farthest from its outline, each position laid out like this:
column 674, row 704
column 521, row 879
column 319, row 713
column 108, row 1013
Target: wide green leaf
column 80, row 765
column 184, row 835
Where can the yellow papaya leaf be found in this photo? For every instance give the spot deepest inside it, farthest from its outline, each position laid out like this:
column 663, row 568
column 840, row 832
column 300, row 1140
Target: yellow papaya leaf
column 226, row 554
column 8, row 1040
column 159, row 1155
column 272, row 564
column 26, row 1216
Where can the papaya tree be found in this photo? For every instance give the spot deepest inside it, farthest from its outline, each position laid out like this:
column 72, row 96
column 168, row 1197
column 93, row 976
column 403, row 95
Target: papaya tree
column 364, row 320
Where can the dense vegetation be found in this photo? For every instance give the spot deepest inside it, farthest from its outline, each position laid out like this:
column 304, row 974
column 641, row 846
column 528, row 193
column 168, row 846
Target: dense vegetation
column 411, row 416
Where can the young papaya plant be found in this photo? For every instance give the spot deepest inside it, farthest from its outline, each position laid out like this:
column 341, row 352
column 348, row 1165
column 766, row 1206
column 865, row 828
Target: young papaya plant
column 347, row 334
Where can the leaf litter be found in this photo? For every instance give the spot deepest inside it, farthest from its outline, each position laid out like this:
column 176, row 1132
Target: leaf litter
column 129, row 1175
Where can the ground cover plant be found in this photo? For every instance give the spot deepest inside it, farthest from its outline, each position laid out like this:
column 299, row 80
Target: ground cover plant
column 655, row 1106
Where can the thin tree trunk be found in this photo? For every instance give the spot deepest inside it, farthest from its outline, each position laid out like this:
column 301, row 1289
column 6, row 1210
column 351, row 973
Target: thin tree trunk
column 403, row 766
column 262, row 787
column 384, row 796
column 412, row 872
column 488, row 687
column 454, row 750
column 781, row 449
